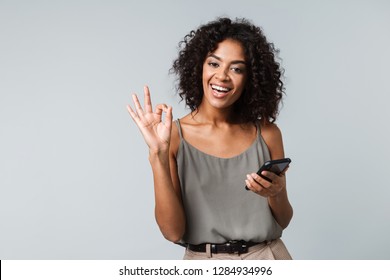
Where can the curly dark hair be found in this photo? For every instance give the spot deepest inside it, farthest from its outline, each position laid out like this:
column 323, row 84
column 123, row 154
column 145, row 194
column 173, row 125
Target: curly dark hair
column 264, row 87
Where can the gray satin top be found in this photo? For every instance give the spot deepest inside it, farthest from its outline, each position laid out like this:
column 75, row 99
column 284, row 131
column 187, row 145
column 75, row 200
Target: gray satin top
column 216, row 204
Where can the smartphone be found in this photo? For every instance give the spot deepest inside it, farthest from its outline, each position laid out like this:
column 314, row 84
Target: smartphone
column 276, row 166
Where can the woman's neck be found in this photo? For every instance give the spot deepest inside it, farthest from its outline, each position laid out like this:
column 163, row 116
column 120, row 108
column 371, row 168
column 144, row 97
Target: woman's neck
column 215, row 116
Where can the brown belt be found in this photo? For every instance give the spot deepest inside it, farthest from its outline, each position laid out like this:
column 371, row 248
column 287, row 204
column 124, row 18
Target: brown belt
column 231, row 247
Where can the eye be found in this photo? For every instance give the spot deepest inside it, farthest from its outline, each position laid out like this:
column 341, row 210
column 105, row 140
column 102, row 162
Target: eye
column 237, row 70
column 213, row 64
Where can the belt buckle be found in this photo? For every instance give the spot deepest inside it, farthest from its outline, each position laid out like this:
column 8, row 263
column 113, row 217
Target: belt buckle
column 236, row 247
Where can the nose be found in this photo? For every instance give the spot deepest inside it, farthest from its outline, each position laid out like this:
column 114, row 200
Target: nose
column 222, row 74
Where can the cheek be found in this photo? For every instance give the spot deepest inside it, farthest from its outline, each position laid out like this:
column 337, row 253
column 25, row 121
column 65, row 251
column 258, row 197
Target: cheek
column 244, row 84
column 206, row 74
column 241, row 84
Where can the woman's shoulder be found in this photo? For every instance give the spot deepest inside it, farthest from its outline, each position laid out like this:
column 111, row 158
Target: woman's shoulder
column 187, row 120
column 272, row 136
column 270, row 130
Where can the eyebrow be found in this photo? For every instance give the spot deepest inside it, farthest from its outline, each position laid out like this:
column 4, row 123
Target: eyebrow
column 233, row 62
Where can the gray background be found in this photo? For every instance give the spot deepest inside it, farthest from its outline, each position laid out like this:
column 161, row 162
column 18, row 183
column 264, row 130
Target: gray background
column 75, row 181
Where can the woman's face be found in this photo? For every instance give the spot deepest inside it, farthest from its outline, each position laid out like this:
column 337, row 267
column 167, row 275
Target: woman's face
column 224, row 74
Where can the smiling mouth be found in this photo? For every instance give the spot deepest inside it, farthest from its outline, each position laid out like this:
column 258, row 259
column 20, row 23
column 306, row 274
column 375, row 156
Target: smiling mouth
column 220, row 91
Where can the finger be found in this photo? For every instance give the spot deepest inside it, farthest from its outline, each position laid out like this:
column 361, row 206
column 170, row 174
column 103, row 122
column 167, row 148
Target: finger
column 255, row 184
column 147, row 100
column 131, row 112
column 160, row 108
column 138, row 106
column 260, row 180
column 268, row 175
column 248, row 185
column 254, row 187
column 277, row 183
column 168, row 117
column 134, row 116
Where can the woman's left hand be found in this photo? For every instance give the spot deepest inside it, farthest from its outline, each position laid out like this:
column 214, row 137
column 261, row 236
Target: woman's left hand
column 263, row 187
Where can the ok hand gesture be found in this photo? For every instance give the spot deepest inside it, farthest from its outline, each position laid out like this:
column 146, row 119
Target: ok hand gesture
column 157, row 134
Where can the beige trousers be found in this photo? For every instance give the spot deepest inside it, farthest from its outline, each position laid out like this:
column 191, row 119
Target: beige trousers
column 271, row 250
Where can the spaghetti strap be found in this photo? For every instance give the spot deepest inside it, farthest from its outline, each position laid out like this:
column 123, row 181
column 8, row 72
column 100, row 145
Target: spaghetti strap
column 179, row 128
column 258, row 127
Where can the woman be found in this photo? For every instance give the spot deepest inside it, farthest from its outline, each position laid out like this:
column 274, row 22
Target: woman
column 230, row 80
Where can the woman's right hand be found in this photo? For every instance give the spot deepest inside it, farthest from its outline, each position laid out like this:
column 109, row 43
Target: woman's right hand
column 157, row 134
column 169, row 211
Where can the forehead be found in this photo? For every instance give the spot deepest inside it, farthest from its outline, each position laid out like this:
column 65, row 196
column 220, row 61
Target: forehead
column 229, row 49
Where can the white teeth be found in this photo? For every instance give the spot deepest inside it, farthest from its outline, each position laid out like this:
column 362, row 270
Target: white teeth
column 220, row 88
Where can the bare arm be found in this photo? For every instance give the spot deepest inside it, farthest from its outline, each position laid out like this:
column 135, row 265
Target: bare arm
column 157, row 134
column 275, row 191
